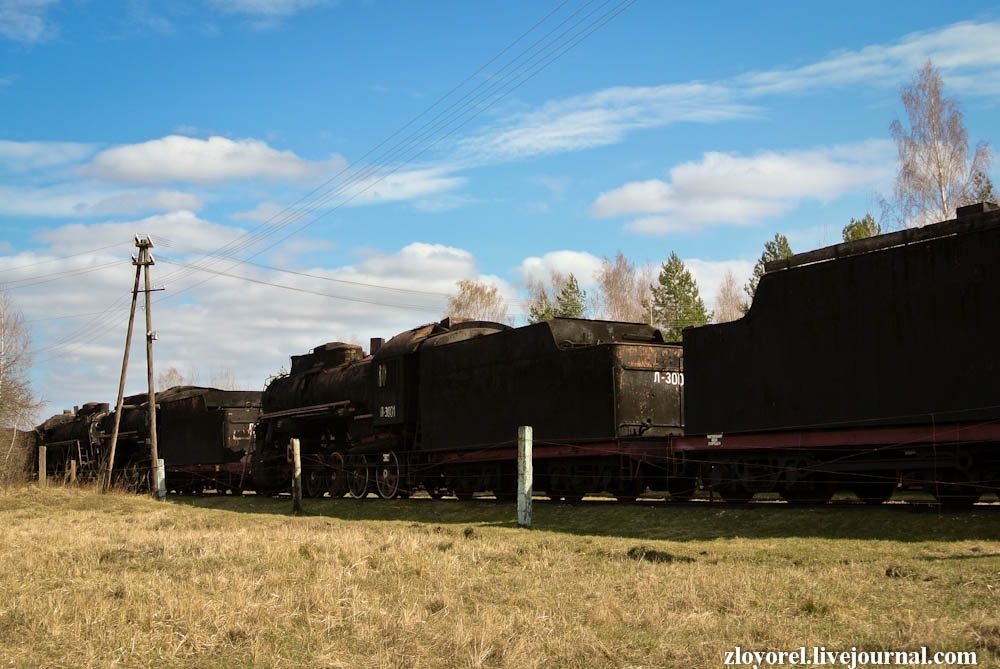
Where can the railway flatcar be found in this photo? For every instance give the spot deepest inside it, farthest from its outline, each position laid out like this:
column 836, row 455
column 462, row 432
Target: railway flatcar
column 437, row 408
column 869, row 365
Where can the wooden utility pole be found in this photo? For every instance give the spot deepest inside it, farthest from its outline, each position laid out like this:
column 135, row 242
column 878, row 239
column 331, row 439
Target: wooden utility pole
column 142, row 261
column 106, row 482
column 146, row 259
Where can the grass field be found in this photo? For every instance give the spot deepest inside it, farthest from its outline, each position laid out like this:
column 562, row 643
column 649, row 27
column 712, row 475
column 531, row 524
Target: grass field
column 118, row 580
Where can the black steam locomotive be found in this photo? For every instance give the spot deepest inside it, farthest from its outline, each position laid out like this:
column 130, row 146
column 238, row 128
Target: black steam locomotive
column 437, row 408
column 204, row 436
column 867, row 366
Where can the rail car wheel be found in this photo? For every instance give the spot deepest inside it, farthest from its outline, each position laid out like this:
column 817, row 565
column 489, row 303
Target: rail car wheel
column 338, row 478
column 314, row 482
column 735, row 493
column 388, row 475
column 809, row 491
column 957, row 493
column 682, row 488
column 357, row 477
column 874, row 489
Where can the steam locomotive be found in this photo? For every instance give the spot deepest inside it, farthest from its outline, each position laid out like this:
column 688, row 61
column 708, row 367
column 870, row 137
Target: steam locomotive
column 867, row 366
column 204, row 436
column 437, row 408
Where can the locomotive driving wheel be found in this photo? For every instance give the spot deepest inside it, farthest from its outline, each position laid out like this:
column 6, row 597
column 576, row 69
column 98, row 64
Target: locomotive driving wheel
column 314, row 481
column 357, row 476
column 387, row 477
column 338, row 478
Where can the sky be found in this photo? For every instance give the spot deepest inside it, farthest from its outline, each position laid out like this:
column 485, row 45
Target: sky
column 312, row 171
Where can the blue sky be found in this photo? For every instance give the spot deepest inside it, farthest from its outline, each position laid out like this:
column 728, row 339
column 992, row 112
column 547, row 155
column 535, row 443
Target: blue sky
column 366, row 155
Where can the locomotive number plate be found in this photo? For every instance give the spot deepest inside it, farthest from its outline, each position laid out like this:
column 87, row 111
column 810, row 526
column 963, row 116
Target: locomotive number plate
column 669, row 378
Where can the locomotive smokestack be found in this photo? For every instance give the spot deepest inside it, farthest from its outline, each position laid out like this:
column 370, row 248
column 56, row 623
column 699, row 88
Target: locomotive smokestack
column 375, row 345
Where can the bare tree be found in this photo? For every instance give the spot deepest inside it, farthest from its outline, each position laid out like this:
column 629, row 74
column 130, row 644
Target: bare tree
column 623, row 292
column 18, row 403
column 936, row 173
column 477, row 301
column 173, row 377
column 729, row 303
column 224, row 379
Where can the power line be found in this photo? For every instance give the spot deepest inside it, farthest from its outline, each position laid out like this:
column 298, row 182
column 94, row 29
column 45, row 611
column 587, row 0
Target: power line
column 351, row 182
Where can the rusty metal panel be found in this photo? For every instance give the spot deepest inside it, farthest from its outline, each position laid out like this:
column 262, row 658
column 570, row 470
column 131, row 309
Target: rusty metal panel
column 649, row 390
column 900, row 335
column 205, row 425
column 396, row 368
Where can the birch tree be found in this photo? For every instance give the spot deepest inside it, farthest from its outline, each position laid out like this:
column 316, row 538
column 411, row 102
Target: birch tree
column 623, row 291
column 477, row 301
column 937, row 174
column 729, row 303
column 18, row 403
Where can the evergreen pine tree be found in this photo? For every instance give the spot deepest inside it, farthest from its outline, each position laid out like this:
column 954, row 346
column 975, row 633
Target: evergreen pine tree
column 676, row 302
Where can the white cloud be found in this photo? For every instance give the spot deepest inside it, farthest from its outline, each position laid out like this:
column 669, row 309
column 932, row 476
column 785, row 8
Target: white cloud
column 726, row 188
column 266, row 7
column 709, row 274
column 405, row 185
column 263, row 212
column 179, row 158
column 24, row 20
column 600, row 119
column 179, row 230
column 28, row 156
column 86, row 200
column 967, row 54
column 584, row 266
column 226, row 322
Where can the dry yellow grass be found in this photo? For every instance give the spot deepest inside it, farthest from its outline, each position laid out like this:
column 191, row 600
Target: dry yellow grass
column 118, row 580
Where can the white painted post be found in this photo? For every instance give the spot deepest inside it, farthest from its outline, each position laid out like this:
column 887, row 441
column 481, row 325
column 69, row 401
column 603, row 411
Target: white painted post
column 161, row 479
column 296, row 477
column 525, row 476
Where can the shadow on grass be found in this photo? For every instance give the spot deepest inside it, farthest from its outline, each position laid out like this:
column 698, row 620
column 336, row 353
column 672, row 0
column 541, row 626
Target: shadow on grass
column 649, row 520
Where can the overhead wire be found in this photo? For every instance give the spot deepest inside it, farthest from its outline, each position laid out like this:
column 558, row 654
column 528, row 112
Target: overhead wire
column 396, row 157
column 351, row 182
